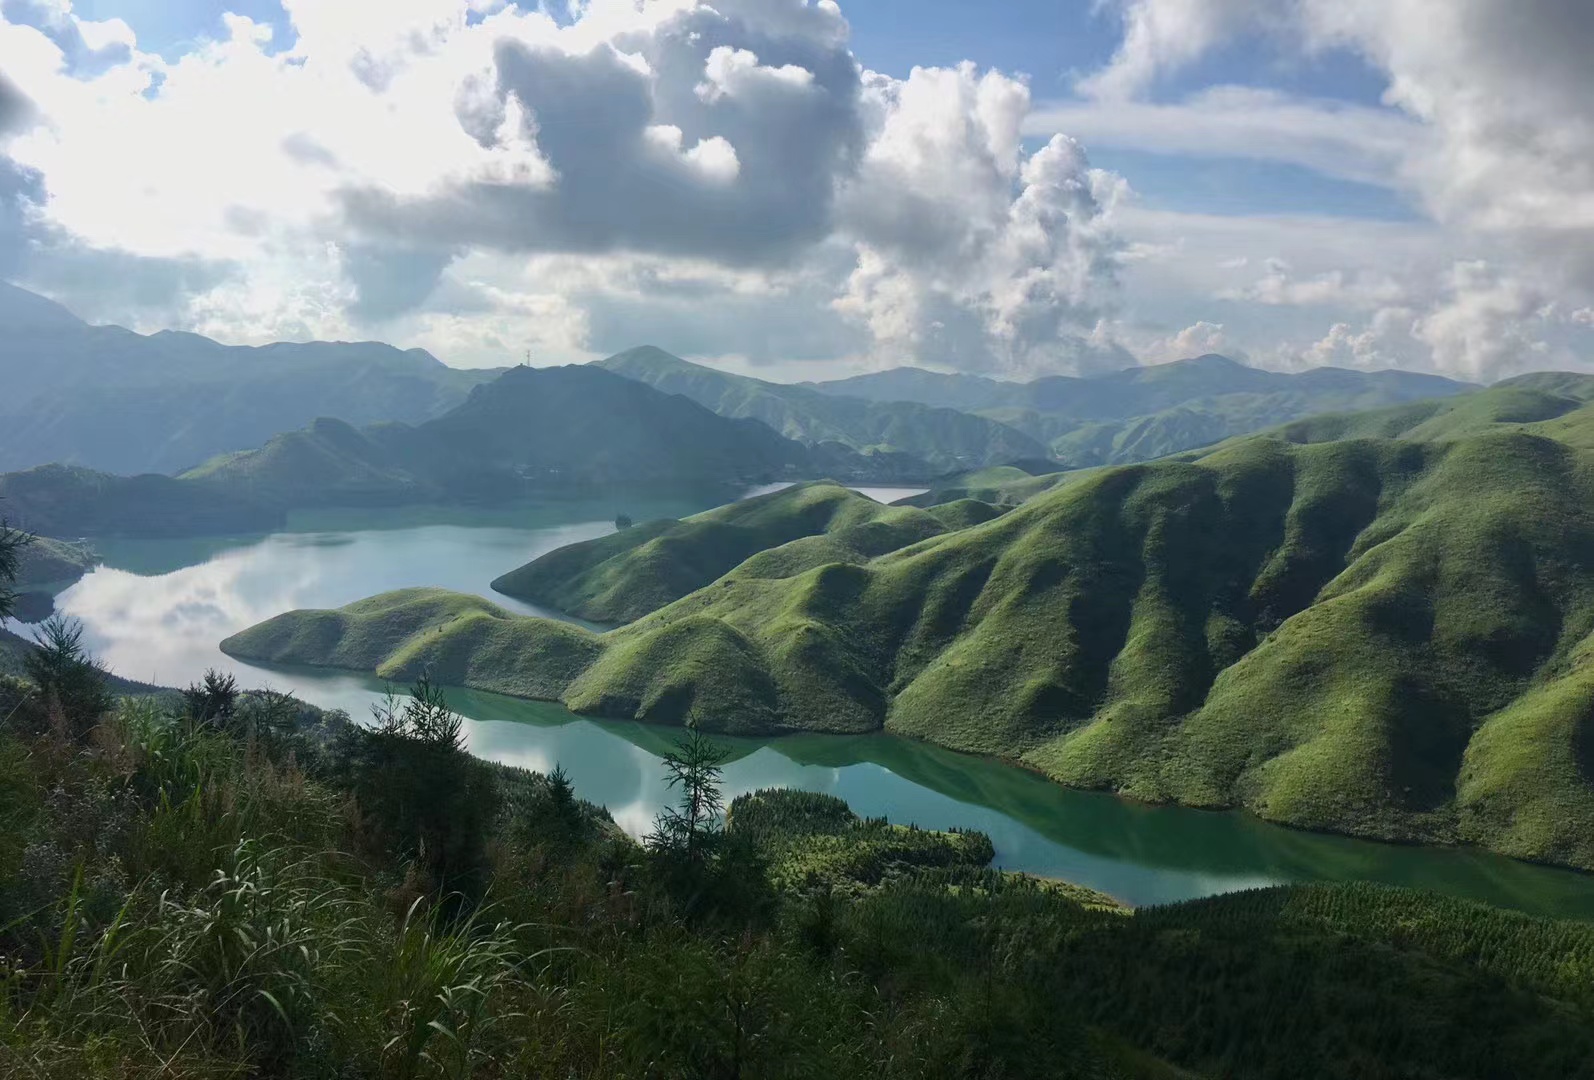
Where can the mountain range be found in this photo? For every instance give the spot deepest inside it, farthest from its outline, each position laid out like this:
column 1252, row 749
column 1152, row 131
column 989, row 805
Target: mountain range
column 1146, row 412
column 112, row 400
column 531, row 431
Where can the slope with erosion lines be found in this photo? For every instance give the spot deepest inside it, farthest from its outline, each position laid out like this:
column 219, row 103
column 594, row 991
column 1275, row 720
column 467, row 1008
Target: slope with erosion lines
column 626, row 575
column 1386, row 638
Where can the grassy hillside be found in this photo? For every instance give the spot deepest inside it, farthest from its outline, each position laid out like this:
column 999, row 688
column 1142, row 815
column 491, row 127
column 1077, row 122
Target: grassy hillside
column 1000, row 486
column 1147, row 412
column 1389, row 638
column 940, row 439
column 635, row 571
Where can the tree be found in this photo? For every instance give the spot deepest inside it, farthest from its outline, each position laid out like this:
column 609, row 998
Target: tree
column 429, row 798
column 623, row 521
column 12, row 543
column 68, row 677
column 214, row 701
column 689, row 829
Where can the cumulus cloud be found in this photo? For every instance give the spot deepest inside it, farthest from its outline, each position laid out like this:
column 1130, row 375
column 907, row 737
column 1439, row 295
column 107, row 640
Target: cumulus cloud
column 952, row 268
column 1280, row 286
column 422, row 166
column 1485, row 122
column 1485, row 325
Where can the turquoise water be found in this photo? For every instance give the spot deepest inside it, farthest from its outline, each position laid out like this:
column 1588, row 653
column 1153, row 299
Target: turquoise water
column 156, row 609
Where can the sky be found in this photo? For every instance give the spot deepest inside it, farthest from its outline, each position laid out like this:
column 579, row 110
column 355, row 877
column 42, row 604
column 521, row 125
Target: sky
column 813, row 188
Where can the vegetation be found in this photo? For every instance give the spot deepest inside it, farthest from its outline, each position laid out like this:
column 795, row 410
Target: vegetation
column 13, row 547
column 1386, row 638
column 928, row 440
column 47, row 563
column 298, row 896
column 69, row 502
column 624, row 576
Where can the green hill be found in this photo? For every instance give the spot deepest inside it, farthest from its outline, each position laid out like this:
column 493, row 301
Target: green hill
column 1148, row 412
column 635, row 571
column 940, row 439
column 68, row 501
column 1388, row 638
column 531, row 431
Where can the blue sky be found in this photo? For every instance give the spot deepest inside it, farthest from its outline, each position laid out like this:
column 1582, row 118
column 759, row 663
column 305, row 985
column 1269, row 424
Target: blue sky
column 1291, row 181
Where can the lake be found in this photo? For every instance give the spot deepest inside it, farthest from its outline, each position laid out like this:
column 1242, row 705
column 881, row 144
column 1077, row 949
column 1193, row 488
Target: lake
column 156, row 609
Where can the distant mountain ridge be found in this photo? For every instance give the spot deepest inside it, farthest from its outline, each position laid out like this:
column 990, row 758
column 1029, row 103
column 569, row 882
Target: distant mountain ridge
column 941, row 439
column 1147, row 412
column 116, row 401
column 531, row 432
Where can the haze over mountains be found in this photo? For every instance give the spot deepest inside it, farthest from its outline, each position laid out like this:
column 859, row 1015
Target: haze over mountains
column 531, row 431
column 112, row 400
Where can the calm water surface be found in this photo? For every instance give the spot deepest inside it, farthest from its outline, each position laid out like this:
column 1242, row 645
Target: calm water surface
column 156, row 609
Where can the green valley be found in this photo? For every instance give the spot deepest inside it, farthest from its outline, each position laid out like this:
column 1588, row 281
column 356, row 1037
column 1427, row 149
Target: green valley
column 1377, row 636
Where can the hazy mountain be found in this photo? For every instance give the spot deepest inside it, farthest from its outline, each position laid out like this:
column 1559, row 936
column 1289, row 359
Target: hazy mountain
column 110, row 399
column 944, row 439
column 530, row 430
column 1146, row 412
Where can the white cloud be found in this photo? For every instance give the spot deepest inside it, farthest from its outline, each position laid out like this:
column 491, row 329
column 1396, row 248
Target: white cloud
column 1279, row 286
column 1485, row 122
column 952, row 267
column 1197, row 339
column 345, row 183
column 1361, row 143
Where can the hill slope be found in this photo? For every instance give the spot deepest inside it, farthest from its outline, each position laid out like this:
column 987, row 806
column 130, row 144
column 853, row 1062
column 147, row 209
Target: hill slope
column 1147, row 412
column 635, row 571
column 940, row 439
column 110, row 399
column 1389, row 638
column 530, row 432
column 532, row 429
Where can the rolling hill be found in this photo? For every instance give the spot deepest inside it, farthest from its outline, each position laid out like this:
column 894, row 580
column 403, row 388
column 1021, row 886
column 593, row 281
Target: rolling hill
column 1387, row 637
column 938, row 439
column 635, row 571
column 1147, row 412
column 108, row 399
